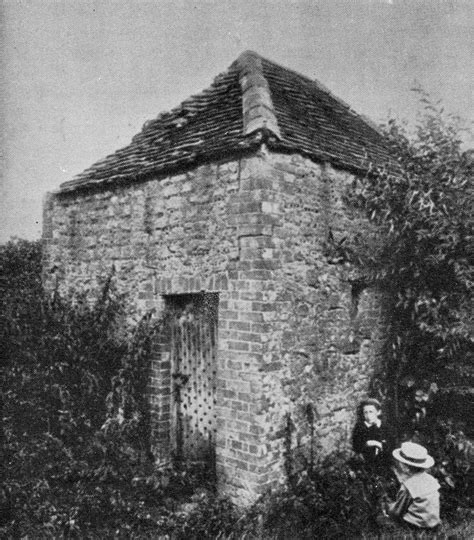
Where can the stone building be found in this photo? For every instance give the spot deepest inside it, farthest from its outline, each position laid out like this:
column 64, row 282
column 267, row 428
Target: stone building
column 227, row 215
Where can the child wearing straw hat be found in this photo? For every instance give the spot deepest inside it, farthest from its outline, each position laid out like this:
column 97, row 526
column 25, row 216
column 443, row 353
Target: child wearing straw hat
column 417, row 502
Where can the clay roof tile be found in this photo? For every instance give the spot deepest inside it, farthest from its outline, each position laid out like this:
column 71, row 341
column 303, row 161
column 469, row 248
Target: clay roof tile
column 254, row 97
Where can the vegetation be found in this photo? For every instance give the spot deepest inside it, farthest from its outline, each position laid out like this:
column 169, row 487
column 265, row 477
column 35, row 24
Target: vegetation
column 423, row 208
column 74, row 420
column 75, row 453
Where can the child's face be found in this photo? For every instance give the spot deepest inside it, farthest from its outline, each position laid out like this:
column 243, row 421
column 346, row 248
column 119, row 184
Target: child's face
column 371, row 414
column 401, row 467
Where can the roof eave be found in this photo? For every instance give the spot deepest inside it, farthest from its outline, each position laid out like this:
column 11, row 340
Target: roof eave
column 248, row 146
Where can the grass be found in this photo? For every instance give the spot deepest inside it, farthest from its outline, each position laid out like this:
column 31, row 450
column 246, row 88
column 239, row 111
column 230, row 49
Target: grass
column 462, row 529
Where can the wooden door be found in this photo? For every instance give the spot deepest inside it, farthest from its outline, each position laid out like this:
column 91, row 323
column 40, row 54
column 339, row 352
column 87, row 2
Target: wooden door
column 193, row 369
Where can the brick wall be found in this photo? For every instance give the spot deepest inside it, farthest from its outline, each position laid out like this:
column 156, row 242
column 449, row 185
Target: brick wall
column 292, row 327
column 326, row 329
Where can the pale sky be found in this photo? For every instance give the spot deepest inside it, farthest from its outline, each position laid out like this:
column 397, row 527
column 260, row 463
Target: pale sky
column 81, row 77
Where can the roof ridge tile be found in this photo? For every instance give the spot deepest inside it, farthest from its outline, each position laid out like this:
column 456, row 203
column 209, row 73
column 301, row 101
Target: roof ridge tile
column 257, row 105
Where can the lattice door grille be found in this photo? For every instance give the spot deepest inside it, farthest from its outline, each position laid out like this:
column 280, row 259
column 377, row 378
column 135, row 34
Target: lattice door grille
column 193, row 353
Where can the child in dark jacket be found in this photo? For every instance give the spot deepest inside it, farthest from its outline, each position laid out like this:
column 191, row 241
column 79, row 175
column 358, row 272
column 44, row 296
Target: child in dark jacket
column 371, row 438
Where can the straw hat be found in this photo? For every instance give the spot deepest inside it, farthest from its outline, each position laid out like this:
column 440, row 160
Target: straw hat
column 413, row 454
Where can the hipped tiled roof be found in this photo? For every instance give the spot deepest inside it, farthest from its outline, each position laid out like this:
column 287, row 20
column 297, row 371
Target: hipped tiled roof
column 254, row 101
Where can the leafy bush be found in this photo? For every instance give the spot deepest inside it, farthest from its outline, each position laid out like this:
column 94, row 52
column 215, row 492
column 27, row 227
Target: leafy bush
column 421, row 206
column 58, row 355
column 429, row 421
column 75, row 437
column 453, row 453
column 332, row 500
column 213, row 517
column 61, row 471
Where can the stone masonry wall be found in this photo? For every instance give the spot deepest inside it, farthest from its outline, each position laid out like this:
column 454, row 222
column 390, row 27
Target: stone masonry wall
column 327, row 329
column 293, row 328
column 182, row 234
column 172, row 226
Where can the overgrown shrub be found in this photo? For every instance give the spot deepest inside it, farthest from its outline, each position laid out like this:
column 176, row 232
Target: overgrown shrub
column 62, row 468
column 428, row 420
column 454, row 454
column 213, row 517
column 59, row 355
column 75, row 426
column 332, row 500
column 421, row 205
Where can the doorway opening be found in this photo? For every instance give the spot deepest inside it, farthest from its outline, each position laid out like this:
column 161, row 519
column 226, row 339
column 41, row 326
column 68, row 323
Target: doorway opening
column 193, row 351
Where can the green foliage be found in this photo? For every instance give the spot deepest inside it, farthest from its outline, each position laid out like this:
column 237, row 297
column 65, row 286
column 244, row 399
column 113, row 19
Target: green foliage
column 330, row 498
column 453, row 453
column 423, row 207
column 20, row 269
column 212, row 517
column 75, row 437
column 128, row 411
column 62, row 462
column 452, row 449
column 58, row 362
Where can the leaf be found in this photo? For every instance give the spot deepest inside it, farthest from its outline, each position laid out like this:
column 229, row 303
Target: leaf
column 449, row 481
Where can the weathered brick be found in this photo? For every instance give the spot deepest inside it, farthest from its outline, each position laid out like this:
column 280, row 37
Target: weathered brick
column 238, row 345
column 251, row 316
column 253, row 231
column 239, row 406
column 256, row 242
column 234, row 365
column 229, row 314
column 247, row 336
column 257, row 274
column 252, row 295
column 240, row 325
